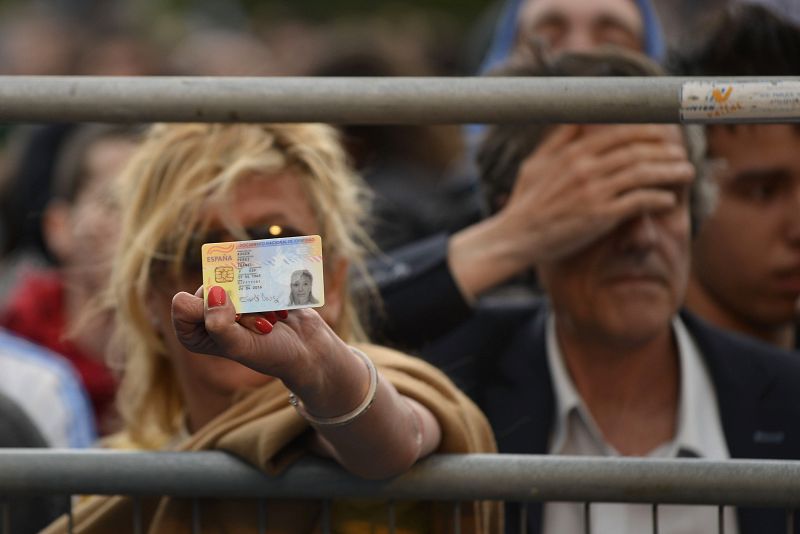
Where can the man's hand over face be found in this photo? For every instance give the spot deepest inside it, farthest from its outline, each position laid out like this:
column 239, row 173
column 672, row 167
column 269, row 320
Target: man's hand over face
column 580, row 184
column 584, row 181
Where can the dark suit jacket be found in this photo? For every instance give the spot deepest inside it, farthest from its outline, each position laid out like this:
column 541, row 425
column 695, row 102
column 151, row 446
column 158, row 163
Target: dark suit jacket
column 420, row 300
column 499, row 359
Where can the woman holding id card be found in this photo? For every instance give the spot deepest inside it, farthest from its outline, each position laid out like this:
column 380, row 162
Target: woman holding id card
column 203, row 370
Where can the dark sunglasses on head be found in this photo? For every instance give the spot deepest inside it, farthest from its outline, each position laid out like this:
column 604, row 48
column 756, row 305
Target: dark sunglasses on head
column 192, row 261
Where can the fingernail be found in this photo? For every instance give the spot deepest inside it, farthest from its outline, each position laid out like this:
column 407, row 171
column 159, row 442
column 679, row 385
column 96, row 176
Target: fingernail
column 237, row 317
column 282, row 314
column 271, row 317
column 216, row 297
column 263, row 326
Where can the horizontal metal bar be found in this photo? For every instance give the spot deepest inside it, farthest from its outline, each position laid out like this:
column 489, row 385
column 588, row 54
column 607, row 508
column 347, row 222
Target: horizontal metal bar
column 342, row 100
column 443, row 477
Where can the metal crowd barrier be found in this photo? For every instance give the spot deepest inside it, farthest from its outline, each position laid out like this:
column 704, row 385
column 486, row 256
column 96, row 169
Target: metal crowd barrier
column 398, row 100
column 448, row 478
column 509, row 478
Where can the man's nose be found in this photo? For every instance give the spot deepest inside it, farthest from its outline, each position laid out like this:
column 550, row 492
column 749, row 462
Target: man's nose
column 641, row 232
column 579, row 39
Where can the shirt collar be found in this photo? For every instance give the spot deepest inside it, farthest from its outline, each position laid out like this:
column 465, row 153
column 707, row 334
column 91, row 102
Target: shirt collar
column 699, row 430
column 568, row 400
column 699, row 425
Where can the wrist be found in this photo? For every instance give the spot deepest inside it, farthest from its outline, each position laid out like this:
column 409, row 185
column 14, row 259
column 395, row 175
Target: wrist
column 333, row 384
column 350, row 416
column 486, row 254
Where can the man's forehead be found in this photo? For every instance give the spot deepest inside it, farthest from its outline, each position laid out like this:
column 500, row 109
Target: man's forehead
column 626, row 10
column 672, row 132
column 742, row 139
column 745, row 153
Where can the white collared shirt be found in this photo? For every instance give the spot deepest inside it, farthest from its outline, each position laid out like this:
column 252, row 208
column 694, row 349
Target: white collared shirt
column 698, row 434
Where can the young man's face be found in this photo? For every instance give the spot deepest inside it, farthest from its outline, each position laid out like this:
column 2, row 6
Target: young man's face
column 746, row 257
column 579, row 25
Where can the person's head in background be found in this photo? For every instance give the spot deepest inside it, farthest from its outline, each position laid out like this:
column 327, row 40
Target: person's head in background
column 406, row 166
column 532, row 28
column 210, row 51
column 575, row 26
column 190, row 184
column 787, row 9
column 81, row 220
column 29, row 160
column 109, row 50
column 35, row 40
column 77, row 224
column 589, row 288
column 431, row 149
column 746, row 257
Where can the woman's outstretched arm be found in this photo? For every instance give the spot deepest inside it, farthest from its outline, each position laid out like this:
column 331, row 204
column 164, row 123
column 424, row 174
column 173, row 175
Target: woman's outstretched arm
column 360, row 418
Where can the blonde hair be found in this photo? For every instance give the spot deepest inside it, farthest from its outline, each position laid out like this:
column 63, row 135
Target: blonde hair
column 179, row 169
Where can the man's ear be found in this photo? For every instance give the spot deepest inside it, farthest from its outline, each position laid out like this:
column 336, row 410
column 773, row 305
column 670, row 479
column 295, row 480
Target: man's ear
column 335, row 287
column 57, row 229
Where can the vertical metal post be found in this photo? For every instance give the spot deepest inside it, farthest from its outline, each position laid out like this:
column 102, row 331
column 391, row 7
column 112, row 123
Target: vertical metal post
column 721, row 520
column 262, row 516
column 326, row 516
column 587, row 518
column 70, row 518
column 5, row 522
column 457, row 517
column 790, row 519
column 392, row 517
column 137, row 515
column 523, row 518
column 655, row 518
column 195, row 516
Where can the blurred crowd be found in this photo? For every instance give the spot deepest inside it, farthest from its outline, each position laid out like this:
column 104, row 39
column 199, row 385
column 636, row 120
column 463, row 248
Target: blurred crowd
column 88, row 359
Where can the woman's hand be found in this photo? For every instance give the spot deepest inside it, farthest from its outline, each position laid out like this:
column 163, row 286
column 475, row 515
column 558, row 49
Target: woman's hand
column 292, row 351
column 300, row 349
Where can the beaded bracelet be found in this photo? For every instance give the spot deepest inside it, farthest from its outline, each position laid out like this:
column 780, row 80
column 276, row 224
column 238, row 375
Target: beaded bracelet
column 349, row 417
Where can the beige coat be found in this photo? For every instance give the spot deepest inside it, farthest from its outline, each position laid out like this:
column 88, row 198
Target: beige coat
column 264, row 430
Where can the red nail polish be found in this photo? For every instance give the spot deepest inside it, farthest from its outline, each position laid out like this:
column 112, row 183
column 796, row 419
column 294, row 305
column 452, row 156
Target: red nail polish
column 271, row 317
column 237, row 317
column 263, row 326
column 216, row 297
column 282, row 314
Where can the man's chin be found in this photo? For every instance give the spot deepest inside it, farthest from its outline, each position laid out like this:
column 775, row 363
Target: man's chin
column 638, row 287
column 639, row 323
